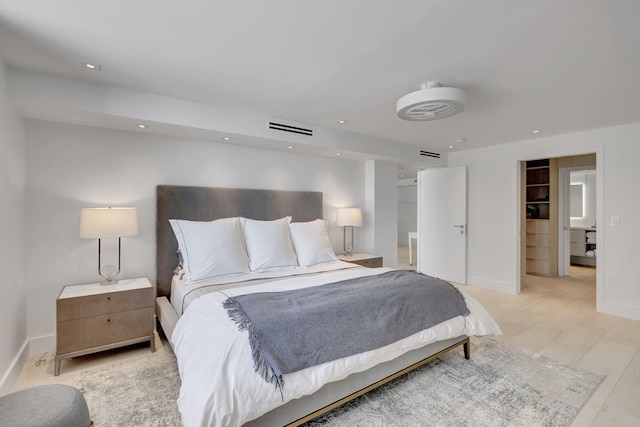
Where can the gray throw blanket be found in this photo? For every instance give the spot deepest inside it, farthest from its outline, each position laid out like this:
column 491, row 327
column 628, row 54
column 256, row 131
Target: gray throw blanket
column 293, row 330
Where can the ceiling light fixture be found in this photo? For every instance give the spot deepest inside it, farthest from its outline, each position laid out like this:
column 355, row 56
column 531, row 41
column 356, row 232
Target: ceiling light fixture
column 338, row 154
column 342, row 122
column 431, row 102
column 142, row 126
column 290, row 147
column 226, row 138
column 451, row 146
column 536, row 131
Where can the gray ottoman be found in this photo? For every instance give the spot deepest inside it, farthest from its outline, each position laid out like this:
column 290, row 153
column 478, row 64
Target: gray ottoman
column 53, row 405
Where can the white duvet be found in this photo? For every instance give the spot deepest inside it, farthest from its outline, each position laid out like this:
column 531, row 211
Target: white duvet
column 219, row 385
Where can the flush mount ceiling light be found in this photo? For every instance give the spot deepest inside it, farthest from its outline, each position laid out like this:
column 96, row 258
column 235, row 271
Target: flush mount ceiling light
column 431, row 102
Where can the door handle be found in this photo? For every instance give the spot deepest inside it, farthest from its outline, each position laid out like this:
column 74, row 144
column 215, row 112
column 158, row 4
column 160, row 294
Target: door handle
column 461, row 227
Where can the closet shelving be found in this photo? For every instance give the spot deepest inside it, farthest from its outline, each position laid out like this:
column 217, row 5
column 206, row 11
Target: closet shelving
column 538, row 189
column 540, row 194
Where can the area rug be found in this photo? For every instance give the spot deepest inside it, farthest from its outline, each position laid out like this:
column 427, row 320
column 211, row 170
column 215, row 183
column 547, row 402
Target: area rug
column 502, row 385
column 138, row 392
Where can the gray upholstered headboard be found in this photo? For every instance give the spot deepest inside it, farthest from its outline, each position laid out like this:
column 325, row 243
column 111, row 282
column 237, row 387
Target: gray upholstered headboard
column 207, row 204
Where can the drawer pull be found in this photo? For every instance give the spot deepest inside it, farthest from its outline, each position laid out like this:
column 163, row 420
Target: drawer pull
column 108, row 320
column 108, row 298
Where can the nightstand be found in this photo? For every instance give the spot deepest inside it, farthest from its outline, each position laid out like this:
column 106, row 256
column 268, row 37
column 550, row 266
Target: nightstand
column 93, row 317
column 366, row 260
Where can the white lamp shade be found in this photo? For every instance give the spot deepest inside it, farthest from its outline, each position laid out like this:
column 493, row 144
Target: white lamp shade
column 349, row 217
column 102, row 223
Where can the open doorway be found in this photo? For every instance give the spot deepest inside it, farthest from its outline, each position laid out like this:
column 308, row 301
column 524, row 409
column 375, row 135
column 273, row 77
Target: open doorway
column 407, row 218
column 577, row 245
column 546, row 219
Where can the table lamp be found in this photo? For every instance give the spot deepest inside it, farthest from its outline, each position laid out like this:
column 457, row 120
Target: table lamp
column 106, row 223
column 349, row 218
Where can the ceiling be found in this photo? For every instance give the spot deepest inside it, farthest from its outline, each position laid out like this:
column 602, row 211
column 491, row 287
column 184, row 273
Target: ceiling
column 548, row 65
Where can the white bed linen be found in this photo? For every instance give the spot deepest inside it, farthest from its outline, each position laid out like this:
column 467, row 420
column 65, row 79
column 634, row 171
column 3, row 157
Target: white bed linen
column 184, row 291
column 219, row 384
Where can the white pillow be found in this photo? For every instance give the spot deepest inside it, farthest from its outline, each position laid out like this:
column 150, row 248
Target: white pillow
column 269, row 244
column 311, row 242
column 210, row 248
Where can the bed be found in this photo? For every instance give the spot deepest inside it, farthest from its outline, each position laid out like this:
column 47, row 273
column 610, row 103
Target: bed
column 190, row 311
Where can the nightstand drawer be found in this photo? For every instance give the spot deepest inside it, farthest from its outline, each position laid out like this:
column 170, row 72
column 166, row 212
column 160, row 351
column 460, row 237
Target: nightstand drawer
column 370, row 263
column 95, row 305
column 365, row 260
column 79, row 334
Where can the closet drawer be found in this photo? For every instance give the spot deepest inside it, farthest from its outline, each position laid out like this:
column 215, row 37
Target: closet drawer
column 540, row 267
column 538, row 240
column 538, row 252
column 536, row 226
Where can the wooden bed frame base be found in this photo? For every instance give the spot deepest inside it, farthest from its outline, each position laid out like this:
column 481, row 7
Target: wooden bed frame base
column 299, row 411
column 467, row 354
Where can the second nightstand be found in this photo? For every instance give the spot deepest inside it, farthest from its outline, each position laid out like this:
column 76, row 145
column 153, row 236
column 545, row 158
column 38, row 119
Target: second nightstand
column 92, row 317
column 366, row 260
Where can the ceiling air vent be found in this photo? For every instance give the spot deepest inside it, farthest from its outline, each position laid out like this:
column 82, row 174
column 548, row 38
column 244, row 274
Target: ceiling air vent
column 288, row 128
column 429, row 154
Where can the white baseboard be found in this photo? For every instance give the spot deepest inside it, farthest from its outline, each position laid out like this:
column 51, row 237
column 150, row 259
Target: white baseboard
column 496, row 285
column 42, row 344
column 12, row 374
column 29, row 348
column 617, row 309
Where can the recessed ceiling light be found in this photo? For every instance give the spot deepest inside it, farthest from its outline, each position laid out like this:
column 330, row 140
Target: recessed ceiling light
column 338, row 154
column 142, row 126
column 401, row 176
column 290, row 147
column 536, row 131
column 226, row 138
column 342, row 122
column 451, row 146
column 91, row 66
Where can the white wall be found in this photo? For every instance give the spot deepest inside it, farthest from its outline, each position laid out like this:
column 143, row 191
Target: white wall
column 13, row 305
column 407, row 209
column 494, row 182
column 71, row 167
column 382, row 210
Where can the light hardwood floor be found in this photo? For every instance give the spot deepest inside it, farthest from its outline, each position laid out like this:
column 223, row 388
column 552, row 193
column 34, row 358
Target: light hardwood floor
column 554, row 317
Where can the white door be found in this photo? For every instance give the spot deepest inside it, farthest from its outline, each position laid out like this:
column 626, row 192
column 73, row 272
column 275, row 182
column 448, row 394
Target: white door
column 442, row 223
